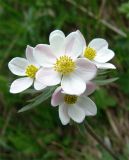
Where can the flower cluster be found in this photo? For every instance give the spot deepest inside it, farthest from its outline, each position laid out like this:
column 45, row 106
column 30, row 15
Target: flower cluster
column 68, row 63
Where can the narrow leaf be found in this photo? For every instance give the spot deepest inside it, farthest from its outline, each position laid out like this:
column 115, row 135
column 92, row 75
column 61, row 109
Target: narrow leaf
column 38, row 100
column 106, row 81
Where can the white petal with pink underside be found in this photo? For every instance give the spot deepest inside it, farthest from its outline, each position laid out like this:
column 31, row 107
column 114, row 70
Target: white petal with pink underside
column 85, row 69
column 105, row 65
column 38, row 85
column 76, row 113
column 81, row 38
column 87, row 105
column 57, row 97
column 90, row 88
column 57, row 41
column 72, row 84
column 104, row 55
column 63, row 114
column 44, row 55
column 18, row 66
column 48, row 76
column 21, row 84
column 73, row 45
column 98, row 44
column 30, row 56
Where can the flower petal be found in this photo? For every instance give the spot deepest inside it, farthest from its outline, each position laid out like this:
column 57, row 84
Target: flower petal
column 72, row 84
column 29, row 54
column 44, row 56
column 76, row 113
column 98, row 43
column 73, row 45
column 48, row 76
column 90, row 88
column 56, row 32
column 105, row 66
column 82, row 39
column 57, row 39
column 85, row 69
column 57, row 97
column 63, row 114
column 104, row 55
column 38, row 85
column 18, row 66
column 21, row 84
column 87, row 105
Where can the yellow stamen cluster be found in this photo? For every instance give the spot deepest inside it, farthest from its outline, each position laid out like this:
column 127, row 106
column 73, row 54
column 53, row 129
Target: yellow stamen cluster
column 31, row 71
column 64, row 65
column 70, row 99
column 90, row 53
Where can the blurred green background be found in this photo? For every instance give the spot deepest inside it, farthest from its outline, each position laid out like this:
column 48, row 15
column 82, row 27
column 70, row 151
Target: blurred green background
column 38, row 134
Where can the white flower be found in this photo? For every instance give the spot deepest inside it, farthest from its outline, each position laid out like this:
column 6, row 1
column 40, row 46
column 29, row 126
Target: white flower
column 26, row 68
column 61, row 64
column 98, row 52
column 74, row 107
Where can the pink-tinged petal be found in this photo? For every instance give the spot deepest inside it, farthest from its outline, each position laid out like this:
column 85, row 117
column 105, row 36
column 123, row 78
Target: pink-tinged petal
column 98, row 44
column 72, row 84
column 76, row 113
column 48, row 76
column 73, row 45
column 104, row 55
column 57, row 97
column 38, row 85
column 44, row 55
column 63, row 114
column 82, row 39
column 90, row 88
column 29, row 55
column 87, row 105
column 57, row 39
column 18, row 66
column 21, row 84
column 105, row 66
column 85, row 69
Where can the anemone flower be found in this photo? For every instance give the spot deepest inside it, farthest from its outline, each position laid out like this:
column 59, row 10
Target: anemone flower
column 98, row 52
column 27, row 68
column 74, row 107
column 61, row 63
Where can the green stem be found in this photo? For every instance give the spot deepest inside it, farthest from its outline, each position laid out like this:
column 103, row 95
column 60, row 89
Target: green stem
column 93, row 134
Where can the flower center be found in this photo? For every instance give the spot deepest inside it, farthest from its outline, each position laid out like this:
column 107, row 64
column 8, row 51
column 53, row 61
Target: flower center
column 64, row 65
column 90, row 53
column 31, row 71
column 70, row 99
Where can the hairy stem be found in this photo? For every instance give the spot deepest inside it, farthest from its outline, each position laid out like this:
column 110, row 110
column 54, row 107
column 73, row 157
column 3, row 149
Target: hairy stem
column 93, row 134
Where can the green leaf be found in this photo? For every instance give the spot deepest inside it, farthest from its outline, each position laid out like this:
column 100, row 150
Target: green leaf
column 38, row 100
column 103, row 99
column 124, row 8
column 102, row 72
column 105, row 81
column 31, row 91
